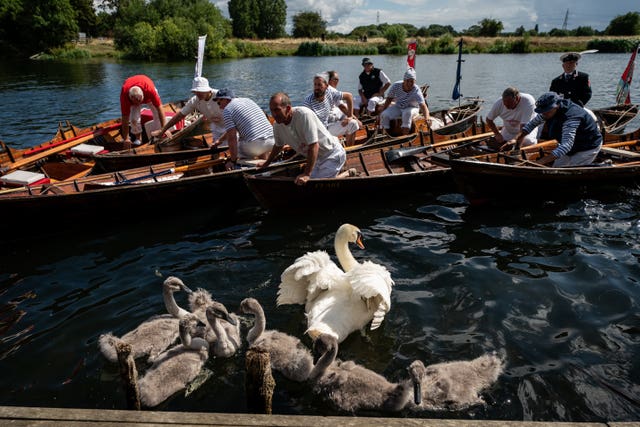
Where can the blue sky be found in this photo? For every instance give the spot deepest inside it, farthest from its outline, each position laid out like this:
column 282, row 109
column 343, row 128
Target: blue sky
column 344, row 15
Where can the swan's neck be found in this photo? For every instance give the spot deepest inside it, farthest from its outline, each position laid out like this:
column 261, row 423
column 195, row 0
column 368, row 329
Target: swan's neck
column 346, row 259
column 324, row 362
column 258, row 327
column 223, row 338
column 171, row 305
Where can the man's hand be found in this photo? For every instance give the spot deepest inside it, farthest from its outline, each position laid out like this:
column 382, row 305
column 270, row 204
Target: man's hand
column 507, row 145
column 302, row 179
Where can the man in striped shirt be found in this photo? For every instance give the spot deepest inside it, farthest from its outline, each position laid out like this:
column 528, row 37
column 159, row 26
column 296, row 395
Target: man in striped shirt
column 408, row 102
column 324, row 99
column 247, row 129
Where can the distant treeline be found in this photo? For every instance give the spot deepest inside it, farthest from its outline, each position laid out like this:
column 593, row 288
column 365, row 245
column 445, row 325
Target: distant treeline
column 168, row 30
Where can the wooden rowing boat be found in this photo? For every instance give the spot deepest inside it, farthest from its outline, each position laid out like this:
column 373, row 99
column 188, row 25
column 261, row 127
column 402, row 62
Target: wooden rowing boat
column 458, row 119
column 450, row 122
column 518, row 175
column 70, row 145
column 199, row 183
column 616, row 117
column 376, row 173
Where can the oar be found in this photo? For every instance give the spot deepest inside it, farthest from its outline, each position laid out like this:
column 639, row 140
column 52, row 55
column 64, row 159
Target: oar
column 399, row 153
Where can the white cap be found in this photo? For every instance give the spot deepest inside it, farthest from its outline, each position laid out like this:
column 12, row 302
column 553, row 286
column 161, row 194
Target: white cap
column 200, row 84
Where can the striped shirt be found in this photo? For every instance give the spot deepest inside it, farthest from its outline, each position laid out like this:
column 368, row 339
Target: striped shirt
column 323, row 109
column 248, row 119
column 411, row 99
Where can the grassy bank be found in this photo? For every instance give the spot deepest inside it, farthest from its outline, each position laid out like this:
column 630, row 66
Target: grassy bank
column 104, row 48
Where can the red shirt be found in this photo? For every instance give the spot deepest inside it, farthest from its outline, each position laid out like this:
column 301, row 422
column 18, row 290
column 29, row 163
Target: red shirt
column 148, row 90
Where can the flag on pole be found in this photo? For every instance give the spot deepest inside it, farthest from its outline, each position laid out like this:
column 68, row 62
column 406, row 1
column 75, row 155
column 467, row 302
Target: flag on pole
column 623, row 95
column 411, row 54
column 201, row 41
column 456, row 89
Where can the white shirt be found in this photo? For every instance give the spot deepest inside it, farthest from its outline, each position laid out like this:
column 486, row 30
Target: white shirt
column 513, row 119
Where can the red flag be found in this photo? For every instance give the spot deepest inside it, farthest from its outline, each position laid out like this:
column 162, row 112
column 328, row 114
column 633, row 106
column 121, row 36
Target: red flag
column 624, row 85
column 411, row 54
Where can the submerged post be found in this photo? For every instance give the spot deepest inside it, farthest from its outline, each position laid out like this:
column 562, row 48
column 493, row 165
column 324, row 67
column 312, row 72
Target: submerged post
column 129, row 375
column 259, row 382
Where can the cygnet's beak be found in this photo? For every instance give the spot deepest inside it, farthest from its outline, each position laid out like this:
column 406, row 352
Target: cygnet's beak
column 417, row 393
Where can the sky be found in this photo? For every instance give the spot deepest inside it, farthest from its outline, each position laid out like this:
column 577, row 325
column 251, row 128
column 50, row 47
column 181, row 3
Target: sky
column 344, row 15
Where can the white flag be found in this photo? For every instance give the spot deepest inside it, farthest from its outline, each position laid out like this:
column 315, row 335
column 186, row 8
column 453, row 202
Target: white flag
column 201, row 41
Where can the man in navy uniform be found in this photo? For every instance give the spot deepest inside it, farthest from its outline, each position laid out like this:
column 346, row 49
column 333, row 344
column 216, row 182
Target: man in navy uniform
column 572, row 84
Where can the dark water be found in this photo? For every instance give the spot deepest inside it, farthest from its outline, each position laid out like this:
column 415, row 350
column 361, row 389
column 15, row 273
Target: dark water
column 554, row 287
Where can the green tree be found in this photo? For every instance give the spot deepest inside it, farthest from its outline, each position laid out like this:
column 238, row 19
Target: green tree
column 435, row 30
column 490, row 27
column 624, row 25
column 85, row 15
column 244, row 17
column 395, row 35
column 272, row 19
column 584, row 31
column 308, row 24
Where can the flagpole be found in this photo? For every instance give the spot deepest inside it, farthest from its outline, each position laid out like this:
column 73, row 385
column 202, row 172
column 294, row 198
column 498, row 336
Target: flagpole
column 456, row 88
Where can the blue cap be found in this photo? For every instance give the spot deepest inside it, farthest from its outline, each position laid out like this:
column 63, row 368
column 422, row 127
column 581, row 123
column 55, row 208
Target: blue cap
column 546, row 102
column 225, row 94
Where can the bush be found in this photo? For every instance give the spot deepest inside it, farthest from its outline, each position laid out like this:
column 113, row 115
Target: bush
column 613, row 46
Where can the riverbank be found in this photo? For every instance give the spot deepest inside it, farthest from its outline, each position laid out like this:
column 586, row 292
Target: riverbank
column 104, row 48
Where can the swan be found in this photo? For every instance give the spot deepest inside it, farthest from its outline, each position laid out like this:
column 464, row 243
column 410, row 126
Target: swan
column 175, row 368
column 199, row 300
column 287, row 353
column 351, row 387
column 457, row 385
column 155, row 334
column 228, row 340
column 337, row 302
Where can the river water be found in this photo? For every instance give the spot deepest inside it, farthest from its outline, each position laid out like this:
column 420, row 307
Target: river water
column 552, row 287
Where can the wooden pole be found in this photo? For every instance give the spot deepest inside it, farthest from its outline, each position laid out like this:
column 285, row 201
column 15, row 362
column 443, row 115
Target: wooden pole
column 129, row 375
column 259, row 382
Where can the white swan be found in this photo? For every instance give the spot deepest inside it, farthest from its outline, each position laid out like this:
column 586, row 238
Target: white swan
column 351, row 387
column 287, row 353
column 227, row 339
column 155, row 334
column 337, row 302
column 175, row 368
column 457, row 385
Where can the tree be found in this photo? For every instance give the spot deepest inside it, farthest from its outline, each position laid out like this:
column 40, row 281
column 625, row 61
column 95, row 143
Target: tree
column 490, row 27
column 244, row 17
column 584, row 31
column 85, row 15
column 395, row 35
column 624, row 25
column 31, row 26
column 308, row 24
column 272, row 19
column 435, row 30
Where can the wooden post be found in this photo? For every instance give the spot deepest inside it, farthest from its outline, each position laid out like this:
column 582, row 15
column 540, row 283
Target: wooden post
column 129, row 375
column 259, row 382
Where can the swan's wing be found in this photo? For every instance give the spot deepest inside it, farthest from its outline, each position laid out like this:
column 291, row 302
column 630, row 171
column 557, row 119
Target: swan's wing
column 373, row 283
column 306, row 277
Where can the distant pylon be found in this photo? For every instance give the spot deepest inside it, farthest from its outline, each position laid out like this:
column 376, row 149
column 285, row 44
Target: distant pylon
column 566, row 18
column 378, row 18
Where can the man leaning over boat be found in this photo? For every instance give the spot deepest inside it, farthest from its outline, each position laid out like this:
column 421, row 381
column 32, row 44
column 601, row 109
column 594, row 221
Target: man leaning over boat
column 577, row 133
column 302, row 130
column 202, row 101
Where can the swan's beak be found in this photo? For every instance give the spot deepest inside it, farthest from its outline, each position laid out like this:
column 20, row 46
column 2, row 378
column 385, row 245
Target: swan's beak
column 186, row 288
column 359, row 241
column 417, row 393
